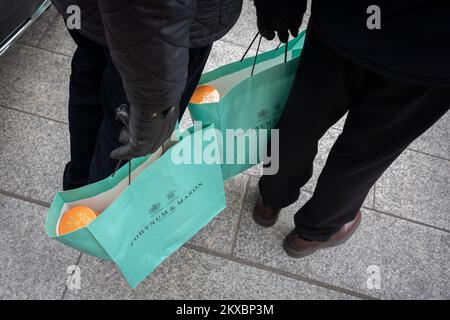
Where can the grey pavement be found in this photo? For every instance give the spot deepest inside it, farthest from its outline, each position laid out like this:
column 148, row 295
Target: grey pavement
column 405, row 231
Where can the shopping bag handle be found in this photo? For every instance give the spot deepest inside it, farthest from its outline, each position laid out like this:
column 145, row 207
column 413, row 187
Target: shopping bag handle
column 250, row 46
column 165, row 146
column 119, row 163
column 257, row 51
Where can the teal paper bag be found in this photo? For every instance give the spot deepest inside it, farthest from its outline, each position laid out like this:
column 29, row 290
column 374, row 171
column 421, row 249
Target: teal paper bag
column 97, row 196
column 166, row 204
column 249, row 102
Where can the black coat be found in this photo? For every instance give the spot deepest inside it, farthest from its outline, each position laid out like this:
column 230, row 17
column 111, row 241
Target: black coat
column 149, row 40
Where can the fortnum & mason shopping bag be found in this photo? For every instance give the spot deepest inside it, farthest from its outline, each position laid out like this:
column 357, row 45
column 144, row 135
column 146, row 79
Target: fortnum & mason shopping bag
column 141, row 224
column 252, row 96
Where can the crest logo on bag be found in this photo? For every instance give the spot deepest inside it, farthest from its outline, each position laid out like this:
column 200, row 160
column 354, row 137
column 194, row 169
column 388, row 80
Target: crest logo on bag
column 159, row 215
column 269, row 117
column 172, row 196
column 263, row 113
column 154, row 208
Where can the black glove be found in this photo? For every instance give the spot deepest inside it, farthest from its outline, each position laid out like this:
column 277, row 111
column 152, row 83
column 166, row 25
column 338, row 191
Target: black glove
column 144, row 132
column 280, row 16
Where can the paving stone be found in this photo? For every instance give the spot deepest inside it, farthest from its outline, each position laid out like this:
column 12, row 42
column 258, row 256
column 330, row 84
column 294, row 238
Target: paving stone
column 220, row 232
column 414, row 260
column 37, row 30
column 35, row 81
column 58, row 39
column 416, row 186
column 33, row 152
column 188, row 274
column 436, row 140
column 32, row 265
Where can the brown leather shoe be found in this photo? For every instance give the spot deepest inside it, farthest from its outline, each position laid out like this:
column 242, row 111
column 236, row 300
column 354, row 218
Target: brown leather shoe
column 297, row 247
column 263, row 215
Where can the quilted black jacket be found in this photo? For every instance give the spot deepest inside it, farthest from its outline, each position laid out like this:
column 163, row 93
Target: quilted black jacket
column 149, row 40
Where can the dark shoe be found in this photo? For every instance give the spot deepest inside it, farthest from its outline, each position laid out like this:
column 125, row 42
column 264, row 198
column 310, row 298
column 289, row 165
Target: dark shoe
column 263, row 215
column 297, row 247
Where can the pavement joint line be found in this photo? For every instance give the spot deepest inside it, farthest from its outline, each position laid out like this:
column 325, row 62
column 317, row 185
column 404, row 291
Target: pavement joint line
column 374, row 195
column 241, row 212
column 336, row 128
column 428, row 154
column 64, row 292
column 24, row 198
column 374, row 209
column 423, row 224
column 280, row 272
column 236, row 44
column 34, row 114
column 44, row 49
column 393, row 215
column 261, row 50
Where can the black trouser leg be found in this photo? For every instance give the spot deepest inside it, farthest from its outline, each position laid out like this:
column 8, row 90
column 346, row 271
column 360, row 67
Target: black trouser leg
column 388, row 118
column 319, row 97
column 85, row 109
column 113, row 95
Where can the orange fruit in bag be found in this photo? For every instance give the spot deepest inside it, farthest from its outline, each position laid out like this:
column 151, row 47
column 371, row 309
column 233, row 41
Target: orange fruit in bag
column 76, row 218
column 205, row 94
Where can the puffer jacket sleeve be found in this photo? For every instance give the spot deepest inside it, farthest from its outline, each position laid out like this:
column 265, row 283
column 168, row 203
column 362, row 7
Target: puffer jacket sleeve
column 149, row 44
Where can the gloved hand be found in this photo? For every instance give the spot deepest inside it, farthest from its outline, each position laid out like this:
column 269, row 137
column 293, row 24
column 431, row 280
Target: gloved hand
column 280, row 16
column 144, row 132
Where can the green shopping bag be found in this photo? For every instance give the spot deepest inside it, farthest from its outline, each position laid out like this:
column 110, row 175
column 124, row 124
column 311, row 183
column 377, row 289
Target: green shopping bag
column 249, row 101
column 143, row 223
